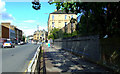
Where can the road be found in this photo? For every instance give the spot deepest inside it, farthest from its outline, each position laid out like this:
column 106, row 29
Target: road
column 17, row 59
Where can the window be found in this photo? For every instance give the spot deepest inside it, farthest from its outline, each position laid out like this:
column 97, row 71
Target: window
column 71, row 25
column 52, row 24
column 71, row 30
column 52, row 17
column 40, row 37
column 37, row 34
column 65, row 24
column 37, row 37
column 59, row 21
column 65, row 16
column 42, row 34
column 71, row 16
column 65, row 30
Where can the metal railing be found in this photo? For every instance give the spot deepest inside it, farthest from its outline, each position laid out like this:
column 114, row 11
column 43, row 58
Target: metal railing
column 34, row 65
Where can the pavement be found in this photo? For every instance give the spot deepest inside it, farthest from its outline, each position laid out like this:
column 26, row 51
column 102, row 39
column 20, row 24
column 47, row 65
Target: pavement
column 60, row 61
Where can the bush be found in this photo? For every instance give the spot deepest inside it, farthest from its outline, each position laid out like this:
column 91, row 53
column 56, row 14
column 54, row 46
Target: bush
column 51, row 36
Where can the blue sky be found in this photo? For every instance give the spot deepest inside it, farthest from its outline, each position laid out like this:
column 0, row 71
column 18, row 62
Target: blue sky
column 22, row 15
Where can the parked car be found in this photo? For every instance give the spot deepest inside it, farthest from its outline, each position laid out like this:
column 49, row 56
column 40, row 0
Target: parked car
column 21, row 43
column 0, row 44
column 39, row 42
column 8, row 44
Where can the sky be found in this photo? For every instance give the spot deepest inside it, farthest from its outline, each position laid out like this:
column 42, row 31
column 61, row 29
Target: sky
column 22, row 15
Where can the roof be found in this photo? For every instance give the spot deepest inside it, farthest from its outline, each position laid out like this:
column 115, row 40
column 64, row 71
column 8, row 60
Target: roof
column 40, row 31
column 61, row 12
column 30, row 36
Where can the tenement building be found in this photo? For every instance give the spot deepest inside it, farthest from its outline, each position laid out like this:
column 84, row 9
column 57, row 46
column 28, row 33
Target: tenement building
column 59, row 19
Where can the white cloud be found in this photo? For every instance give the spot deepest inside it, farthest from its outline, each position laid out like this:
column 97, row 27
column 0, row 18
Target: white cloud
column 9, row 21
column 30, row 21
column 2, row 6
column 25, row 27
column 7, row 16
column 43, row 27
column 28, row 31
column 3, row 15
column 31, row 31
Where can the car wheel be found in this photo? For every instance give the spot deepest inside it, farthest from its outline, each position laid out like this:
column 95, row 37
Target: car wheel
column 1, row 46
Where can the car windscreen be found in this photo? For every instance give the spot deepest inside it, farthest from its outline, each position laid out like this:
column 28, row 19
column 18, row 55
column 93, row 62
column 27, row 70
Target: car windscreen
column 8, row 42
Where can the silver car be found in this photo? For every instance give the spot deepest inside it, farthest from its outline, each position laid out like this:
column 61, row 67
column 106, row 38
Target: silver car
column 8, row 44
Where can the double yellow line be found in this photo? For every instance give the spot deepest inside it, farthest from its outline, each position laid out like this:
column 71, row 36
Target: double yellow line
column 28, row 65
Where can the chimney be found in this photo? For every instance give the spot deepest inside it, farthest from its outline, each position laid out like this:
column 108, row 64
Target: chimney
column 55, row 10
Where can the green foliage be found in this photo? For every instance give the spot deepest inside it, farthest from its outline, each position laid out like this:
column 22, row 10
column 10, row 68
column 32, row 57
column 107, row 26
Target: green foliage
column 23, row 38
column 60, row 34
column 74, row 33
column 102, row 18
column 110, row 52
column 36, row 5
column 67, row 35
column 51, row 36
column 54, row 33
column 99, row 18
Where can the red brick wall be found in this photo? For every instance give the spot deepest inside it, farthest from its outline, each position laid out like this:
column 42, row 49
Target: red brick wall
column 5, row 32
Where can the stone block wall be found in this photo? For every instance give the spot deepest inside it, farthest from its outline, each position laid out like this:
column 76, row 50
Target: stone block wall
column 87, row 47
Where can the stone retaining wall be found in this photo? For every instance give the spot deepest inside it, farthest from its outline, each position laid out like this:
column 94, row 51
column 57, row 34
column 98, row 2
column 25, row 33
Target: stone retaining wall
column 87, row 47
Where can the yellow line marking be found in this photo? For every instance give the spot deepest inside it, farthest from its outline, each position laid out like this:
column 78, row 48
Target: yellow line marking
column 26, row 70
column 28, row 64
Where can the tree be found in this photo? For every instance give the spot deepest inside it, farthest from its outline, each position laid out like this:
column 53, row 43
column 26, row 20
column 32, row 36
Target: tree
column 23, row 38
column 99, row 18
column 36, row 5
column 51, row 36
column 54, row 33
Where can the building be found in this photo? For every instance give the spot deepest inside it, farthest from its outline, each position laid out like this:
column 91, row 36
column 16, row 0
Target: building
column 71, row 26
column 12, row 32
column 59, row 19
column 40, row 35
column 8, row 31
column 0, row 31
column 5, row 31
column 18, row 35
column 29, row 39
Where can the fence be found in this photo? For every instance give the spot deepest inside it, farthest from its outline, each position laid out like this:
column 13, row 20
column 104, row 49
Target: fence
column 34, row 66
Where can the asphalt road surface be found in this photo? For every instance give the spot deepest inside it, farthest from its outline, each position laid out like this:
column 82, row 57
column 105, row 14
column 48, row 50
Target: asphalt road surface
column 17, row 59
